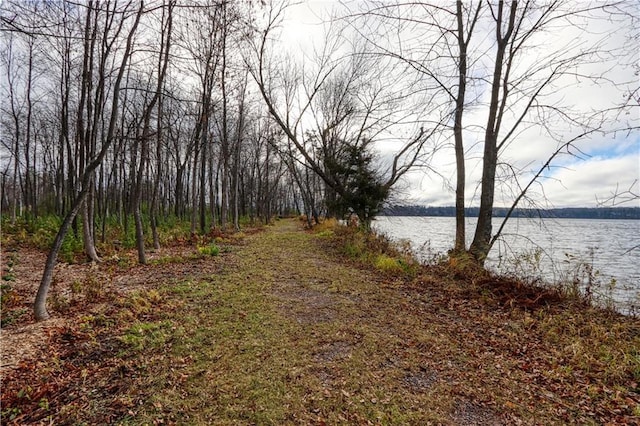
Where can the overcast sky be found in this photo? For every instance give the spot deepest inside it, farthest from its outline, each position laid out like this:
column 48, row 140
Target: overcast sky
column 605, row 163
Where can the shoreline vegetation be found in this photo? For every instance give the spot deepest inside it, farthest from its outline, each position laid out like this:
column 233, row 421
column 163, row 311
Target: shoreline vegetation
column 280, row 325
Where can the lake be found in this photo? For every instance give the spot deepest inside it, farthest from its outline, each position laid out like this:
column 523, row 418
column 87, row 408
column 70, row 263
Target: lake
column 605, row 252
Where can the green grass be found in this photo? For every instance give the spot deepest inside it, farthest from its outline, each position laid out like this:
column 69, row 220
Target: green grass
column 210, row 250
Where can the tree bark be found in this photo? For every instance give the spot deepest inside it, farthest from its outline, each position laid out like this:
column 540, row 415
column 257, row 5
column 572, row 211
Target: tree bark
column 480, row 246
column 463, row 42
column 39, row 307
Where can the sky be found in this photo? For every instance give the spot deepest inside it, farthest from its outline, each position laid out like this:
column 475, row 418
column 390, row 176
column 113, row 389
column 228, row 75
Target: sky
column 604, row 164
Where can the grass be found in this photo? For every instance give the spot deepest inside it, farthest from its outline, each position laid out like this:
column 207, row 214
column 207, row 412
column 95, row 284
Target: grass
column 290, row 331
column 269, row 359
column 210, row 250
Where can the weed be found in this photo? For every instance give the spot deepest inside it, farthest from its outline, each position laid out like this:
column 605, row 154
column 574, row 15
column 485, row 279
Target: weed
column 463, row 265
column 8, row 296
column 44, row 404
column 89, row 322
column 142, row 302
column 354, row 249
column 166, row 260
column 94, row 288
column 239, row 235
column 375, row 249
column 385, row 263
column 12, row 317
column 72, row 247
column 429, row 256
column 76, row 287
column 527, row 265
column 327, row 233
column 59, row 302
column 8, row 274
column 126, row 261
column 328, row 224
column 146, row 335
column 10, row 413
column 25, row 393
column 210, row 250
column 582, row 281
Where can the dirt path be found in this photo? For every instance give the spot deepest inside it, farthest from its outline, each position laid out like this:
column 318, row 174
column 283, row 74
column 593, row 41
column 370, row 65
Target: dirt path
column 352, row 346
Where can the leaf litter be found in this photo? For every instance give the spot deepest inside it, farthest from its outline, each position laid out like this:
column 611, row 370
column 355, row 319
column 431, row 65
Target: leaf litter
column 283, row 330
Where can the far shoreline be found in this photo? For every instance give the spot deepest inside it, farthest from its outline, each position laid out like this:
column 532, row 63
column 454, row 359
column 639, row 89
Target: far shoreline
column 608, row 213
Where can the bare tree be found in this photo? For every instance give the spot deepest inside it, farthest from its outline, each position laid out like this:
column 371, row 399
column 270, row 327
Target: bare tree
column 125, row 14
column 346, row 103
column 14, row 125
column 201, row 37
column 145, row 137
column 493, row 52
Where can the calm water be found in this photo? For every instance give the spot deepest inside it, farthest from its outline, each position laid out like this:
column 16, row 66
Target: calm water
column 555, row 250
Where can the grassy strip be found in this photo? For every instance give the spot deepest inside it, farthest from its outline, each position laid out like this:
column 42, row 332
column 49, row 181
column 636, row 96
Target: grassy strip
column 338, row 344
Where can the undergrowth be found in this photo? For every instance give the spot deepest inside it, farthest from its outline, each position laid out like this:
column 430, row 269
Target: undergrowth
column 111, row 237
column 371, row 248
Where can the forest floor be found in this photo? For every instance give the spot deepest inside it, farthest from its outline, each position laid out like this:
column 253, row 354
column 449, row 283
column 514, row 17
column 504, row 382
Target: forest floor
column 282, row 328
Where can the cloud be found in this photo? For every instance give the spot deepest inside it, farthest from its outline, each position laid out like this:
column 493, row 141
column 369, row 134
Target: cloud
column 582, row 183
column 570, row 182
column 605, row 162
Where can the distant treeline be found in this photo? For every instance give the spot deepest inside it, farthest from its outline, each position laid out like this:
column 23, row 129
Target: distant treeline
column 569, row 213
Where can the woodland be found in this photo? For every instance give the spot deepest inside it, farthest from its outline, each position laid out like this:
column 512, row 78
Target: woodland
column 134, row 114
column 130, row 114
column 151, row 151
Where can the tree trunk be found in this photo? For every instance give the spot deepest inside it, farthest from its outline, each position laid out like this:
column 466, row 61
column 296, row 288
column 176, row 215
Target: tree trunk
column 460, row 240
column 482, row 239
column 29, row 196
column 87, row 230
column 203, row 167
column 137, row 216
column 39, row 307
column 194, row 193
column 40, row 304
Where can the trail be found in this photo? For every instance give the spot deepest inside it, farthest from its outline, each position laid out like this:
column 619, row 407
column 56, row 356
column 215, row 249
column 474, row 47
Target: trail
column 346, row 344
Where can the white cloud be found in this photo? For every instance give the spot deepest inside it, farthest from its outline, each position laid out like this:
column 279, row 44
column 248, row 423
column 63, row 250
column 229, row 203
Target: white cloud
column 580, row 183
column 615, row 158
column 570, row 182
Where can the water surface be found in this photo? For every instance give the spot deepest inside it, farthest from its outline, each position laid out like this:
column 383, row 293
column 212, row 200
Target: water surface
column 603, row 252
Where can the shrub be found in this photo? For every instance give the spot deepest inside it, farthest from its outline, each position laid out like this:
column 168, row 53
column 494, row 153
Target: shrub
column 388, row 264
column 376, row 249
column 210, row 250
